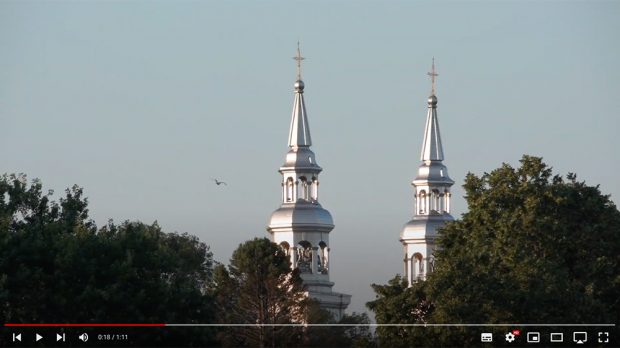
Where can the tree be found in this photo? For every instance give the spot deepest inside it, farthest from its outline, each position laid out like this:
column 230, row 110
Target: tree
column 351, row 330
column 396, row 303
column 56, row 266
column 259, row 287
column 533, row 247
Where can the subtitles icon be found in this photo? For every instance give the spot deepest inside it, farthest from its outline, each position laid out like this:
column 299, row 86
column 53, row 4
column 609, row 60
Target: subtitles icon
column 580, row 337
column 486, row 337
column 557, row 337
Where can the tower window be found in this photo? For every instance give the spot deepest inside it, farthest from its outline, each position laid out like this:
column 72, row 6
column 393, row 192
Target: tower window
column 314, row 189
column 417, row 267
column 304, row 257
column 435, row 201
column 323, row 258
column 305, row 193
column 289, row 189
column 422, row 202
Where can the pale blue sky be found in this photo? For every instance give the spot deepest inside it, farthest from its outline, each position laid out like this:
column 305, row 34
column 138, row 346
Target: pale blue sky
column 142, row 102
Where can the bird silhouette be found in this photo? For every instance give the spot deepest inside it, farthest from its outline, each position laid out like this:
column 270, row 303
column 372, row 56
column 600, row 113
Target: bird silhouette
column 218, row 183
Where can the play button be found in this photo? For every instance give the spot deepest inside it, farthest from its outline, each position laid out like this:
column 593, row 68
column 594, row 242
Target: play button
column 37, row 337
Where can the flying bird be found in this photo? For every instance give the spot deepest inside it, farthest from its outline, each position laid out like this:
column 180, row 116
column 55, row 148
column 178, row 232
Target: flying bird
column 218, row 183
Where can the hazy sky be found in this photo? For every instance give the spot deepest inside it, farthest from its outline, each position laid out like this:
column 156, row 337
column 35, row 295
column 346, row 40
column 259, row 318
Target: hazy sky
column 142, row 102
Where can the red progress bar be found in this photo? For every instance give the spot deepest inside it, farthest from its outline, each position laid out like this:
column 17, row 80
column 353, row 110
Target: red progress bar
column 84, row 325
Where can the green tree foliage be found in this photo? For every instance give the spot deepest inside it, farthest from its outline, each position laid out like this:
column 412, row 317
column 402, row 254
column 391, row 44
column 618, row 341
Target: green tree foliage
column 259, row 287
column 55, row 266
column 396, row 303
column 346, row 333
column 533, row 247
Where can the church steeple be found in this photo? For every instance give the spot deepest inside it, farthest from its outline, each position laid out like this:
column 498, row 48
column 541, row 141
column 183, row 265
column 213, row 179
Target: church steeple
column 432, row 150
column 432, row 198
column 299, row 133
column 301, row 226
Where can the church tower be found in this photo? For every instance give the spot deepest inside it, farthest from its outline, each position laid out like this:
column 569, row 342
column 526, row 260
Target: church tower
column 301, row 226
column 432, row 199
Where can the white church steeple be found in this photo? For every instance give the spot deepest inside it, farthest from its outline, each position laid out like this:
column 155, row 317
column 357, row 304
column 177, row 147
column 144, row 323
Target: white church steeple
column 432, row 199
column 301, row 226
column 299, row 134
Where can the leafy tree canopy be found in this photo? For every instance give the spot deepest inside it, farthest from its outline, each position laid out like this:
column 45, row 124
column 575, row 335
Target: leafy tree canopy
column 259, row 287
column 56, row 266
column 533, row 248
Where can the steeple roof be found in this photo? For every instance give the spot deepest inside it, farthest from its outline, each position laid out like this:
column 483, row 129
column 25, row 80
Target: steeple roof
column 299, row 133
column 432, row 150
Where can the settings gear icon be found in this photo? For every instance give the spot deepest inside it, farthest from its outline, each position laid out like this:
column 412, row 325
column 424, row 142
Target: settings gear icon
column 510, row 337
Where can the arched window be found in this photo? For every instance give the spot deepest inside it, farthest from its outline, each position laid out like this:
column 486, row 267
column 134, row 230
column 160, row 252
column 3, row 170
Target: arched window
column 315, row 189
column 435, row 201
column 442, row 207
column 431, row 263
column 289, row 189
column 304, row 257
column 305, row 193
column 323, row 261
column 417, row 267
column 286, row 247
column 422, row 202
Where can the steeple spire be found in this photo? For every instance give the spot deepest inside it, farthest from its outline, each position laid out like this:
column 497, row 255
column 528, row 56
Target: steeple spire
column 432, row 150
column 299, row 133
column 301, row 226
column 432, row 199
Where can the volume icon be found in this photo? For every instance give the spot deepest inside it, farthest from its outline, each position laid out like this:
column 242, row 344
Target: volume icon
column 83, row 337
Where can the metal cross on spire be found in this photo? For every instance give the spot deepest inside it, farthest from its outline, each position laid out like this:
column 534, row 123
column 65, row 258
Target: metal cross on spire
column 433, row 74
column 298, row 58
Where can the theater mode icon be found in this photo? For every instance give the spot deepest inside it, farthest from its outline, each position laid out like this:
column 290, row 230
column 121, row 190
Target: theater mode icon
column 556, row 337
column 486, row 337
